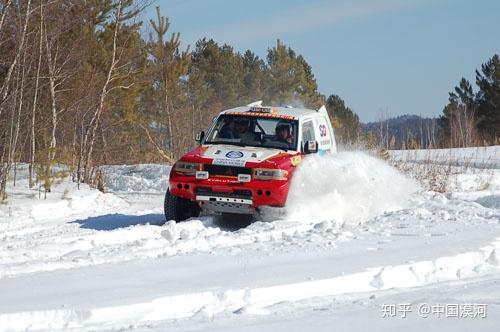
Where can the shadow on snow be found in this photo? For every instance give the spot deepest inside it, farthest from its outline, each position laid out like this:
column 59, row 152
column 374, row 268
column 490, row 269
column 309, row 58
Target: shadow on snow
column 111, row 222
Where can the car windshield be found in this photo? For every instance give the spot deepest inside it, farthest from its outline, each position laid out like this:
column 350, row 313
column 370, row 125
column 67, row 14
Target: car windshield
column 267, row 132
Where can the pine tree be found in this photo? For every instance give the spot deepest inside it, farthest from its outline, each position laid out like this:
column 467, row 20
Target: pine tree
column 221, row 70
column 169, row 64
column 255, row 77
column 345, row 121
column 460, row 116
column 291, row 80
column 488, row 80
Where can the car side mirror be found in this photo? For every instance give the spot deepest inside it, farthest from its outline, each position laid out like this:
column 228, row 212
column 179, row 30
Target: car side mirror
column 310, row 147
column 200, row 136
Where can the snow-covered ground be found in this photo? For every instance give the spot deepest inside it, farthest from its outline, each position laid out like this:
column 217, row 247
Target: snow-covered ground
column 478, row 157
column 361, row 247
column 452, row 170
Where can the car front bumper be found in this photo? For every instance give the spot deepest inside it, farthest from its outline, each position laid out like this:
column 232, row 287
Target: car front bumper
column 227, row 195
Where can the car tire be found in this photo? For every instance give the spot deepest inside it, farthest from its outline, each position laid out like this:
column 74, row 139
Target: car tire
column 179, row 209
column 237, row 221
column 270, row 214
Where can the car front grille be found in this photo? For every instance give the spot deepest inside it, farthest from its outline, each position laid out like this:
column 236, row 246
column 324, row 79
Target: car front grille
column 236, row 193
column 226, row 170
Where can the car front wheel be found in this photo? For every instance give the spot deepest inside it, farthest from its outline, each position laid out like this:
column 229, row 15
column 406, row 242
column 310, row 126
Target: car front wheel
column 179, row 209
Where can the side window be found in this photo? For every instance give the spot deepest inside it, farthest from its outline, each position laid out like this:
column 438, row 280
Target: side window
column 308, row 132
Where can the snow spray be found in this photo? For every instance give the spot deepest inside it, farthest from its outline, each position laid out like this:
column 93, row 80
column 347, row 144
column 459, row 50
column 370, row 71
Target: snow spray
column 347, row 187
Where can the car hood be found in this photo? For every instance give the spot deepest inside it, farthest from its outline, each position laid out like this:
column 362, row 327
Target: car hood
column 238, row 156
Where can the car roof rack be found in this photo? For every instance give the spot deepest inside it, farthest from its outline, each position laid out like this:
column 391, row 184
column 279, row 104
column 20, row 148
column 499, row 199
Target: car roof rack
column 255, row 103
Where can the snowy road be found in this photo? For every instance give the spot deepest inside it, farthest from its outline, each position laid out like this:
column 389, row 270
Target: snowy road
column 83, row 260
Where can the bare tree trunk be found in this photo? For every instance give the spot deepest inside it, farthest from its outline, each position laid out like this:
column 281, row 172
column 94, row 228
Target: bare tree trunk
column 79, row 174
column 19, row 110
column 161, row 151
column 5, row 88
column 35, row 99
column 73, row 152
column 4, row 12
column 470, row 114
column 169, row 115
column 51, row 63
column 4, row 93
column 94, row 122
column 6, row 165
column 452, row 130
column 421, row 128
column 387, row 134
column 193, row 124
column 104, row 146
column 434, row 133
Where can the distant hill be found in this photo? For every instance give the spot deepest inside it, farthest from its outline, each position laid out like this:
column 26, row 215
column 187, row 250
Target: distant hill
column 406, row 131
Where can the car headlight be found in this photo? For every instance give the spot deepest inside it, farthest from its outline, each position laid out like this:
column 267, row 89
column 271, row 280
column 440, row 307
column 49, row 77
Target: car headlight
column 269, row 174
column 187, row 168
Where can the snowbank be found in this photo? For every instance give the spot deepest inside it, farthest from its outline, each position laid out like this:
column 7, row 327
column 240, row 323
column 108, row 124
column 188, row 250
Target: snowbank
column 137, row 178
column 65, row 199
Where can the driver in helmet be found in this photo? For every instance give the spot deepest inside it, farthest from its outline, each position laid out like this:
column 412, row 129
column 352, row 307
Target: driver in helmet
column 283, row 132
column 241, row 129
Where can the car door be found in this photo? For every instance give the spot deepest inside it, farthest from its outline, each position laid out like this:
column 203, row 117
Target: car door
column 324, row 135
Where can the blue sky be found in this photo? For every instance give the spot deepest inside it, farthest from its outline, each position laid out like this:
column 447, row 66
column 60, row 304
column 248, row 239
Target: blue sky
column 381, row 56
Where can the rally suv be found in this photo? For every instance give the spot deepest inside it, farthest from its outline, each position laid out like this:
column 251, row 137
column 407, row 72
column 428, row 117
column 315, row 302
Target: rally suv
column 246, row 160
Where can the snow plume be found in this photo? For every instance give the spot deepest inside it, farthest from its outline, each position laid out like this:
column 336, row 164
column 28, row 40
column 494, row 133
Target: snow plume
column 293, row 102
column 348, row 187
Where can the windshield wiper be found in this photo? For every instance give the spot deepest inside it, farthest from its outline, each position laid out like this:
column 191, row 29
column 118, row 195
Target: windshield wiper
column 277, row 147
column 226, row 143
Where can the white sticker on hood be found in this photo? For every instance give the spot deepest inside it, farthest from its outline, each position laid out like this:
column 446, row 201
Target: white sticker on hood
column 221, row 154
column 234, row 154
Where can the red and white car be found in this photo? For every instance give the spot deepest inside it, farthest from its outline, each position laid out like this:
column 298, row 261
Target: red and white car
column 246, row 160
